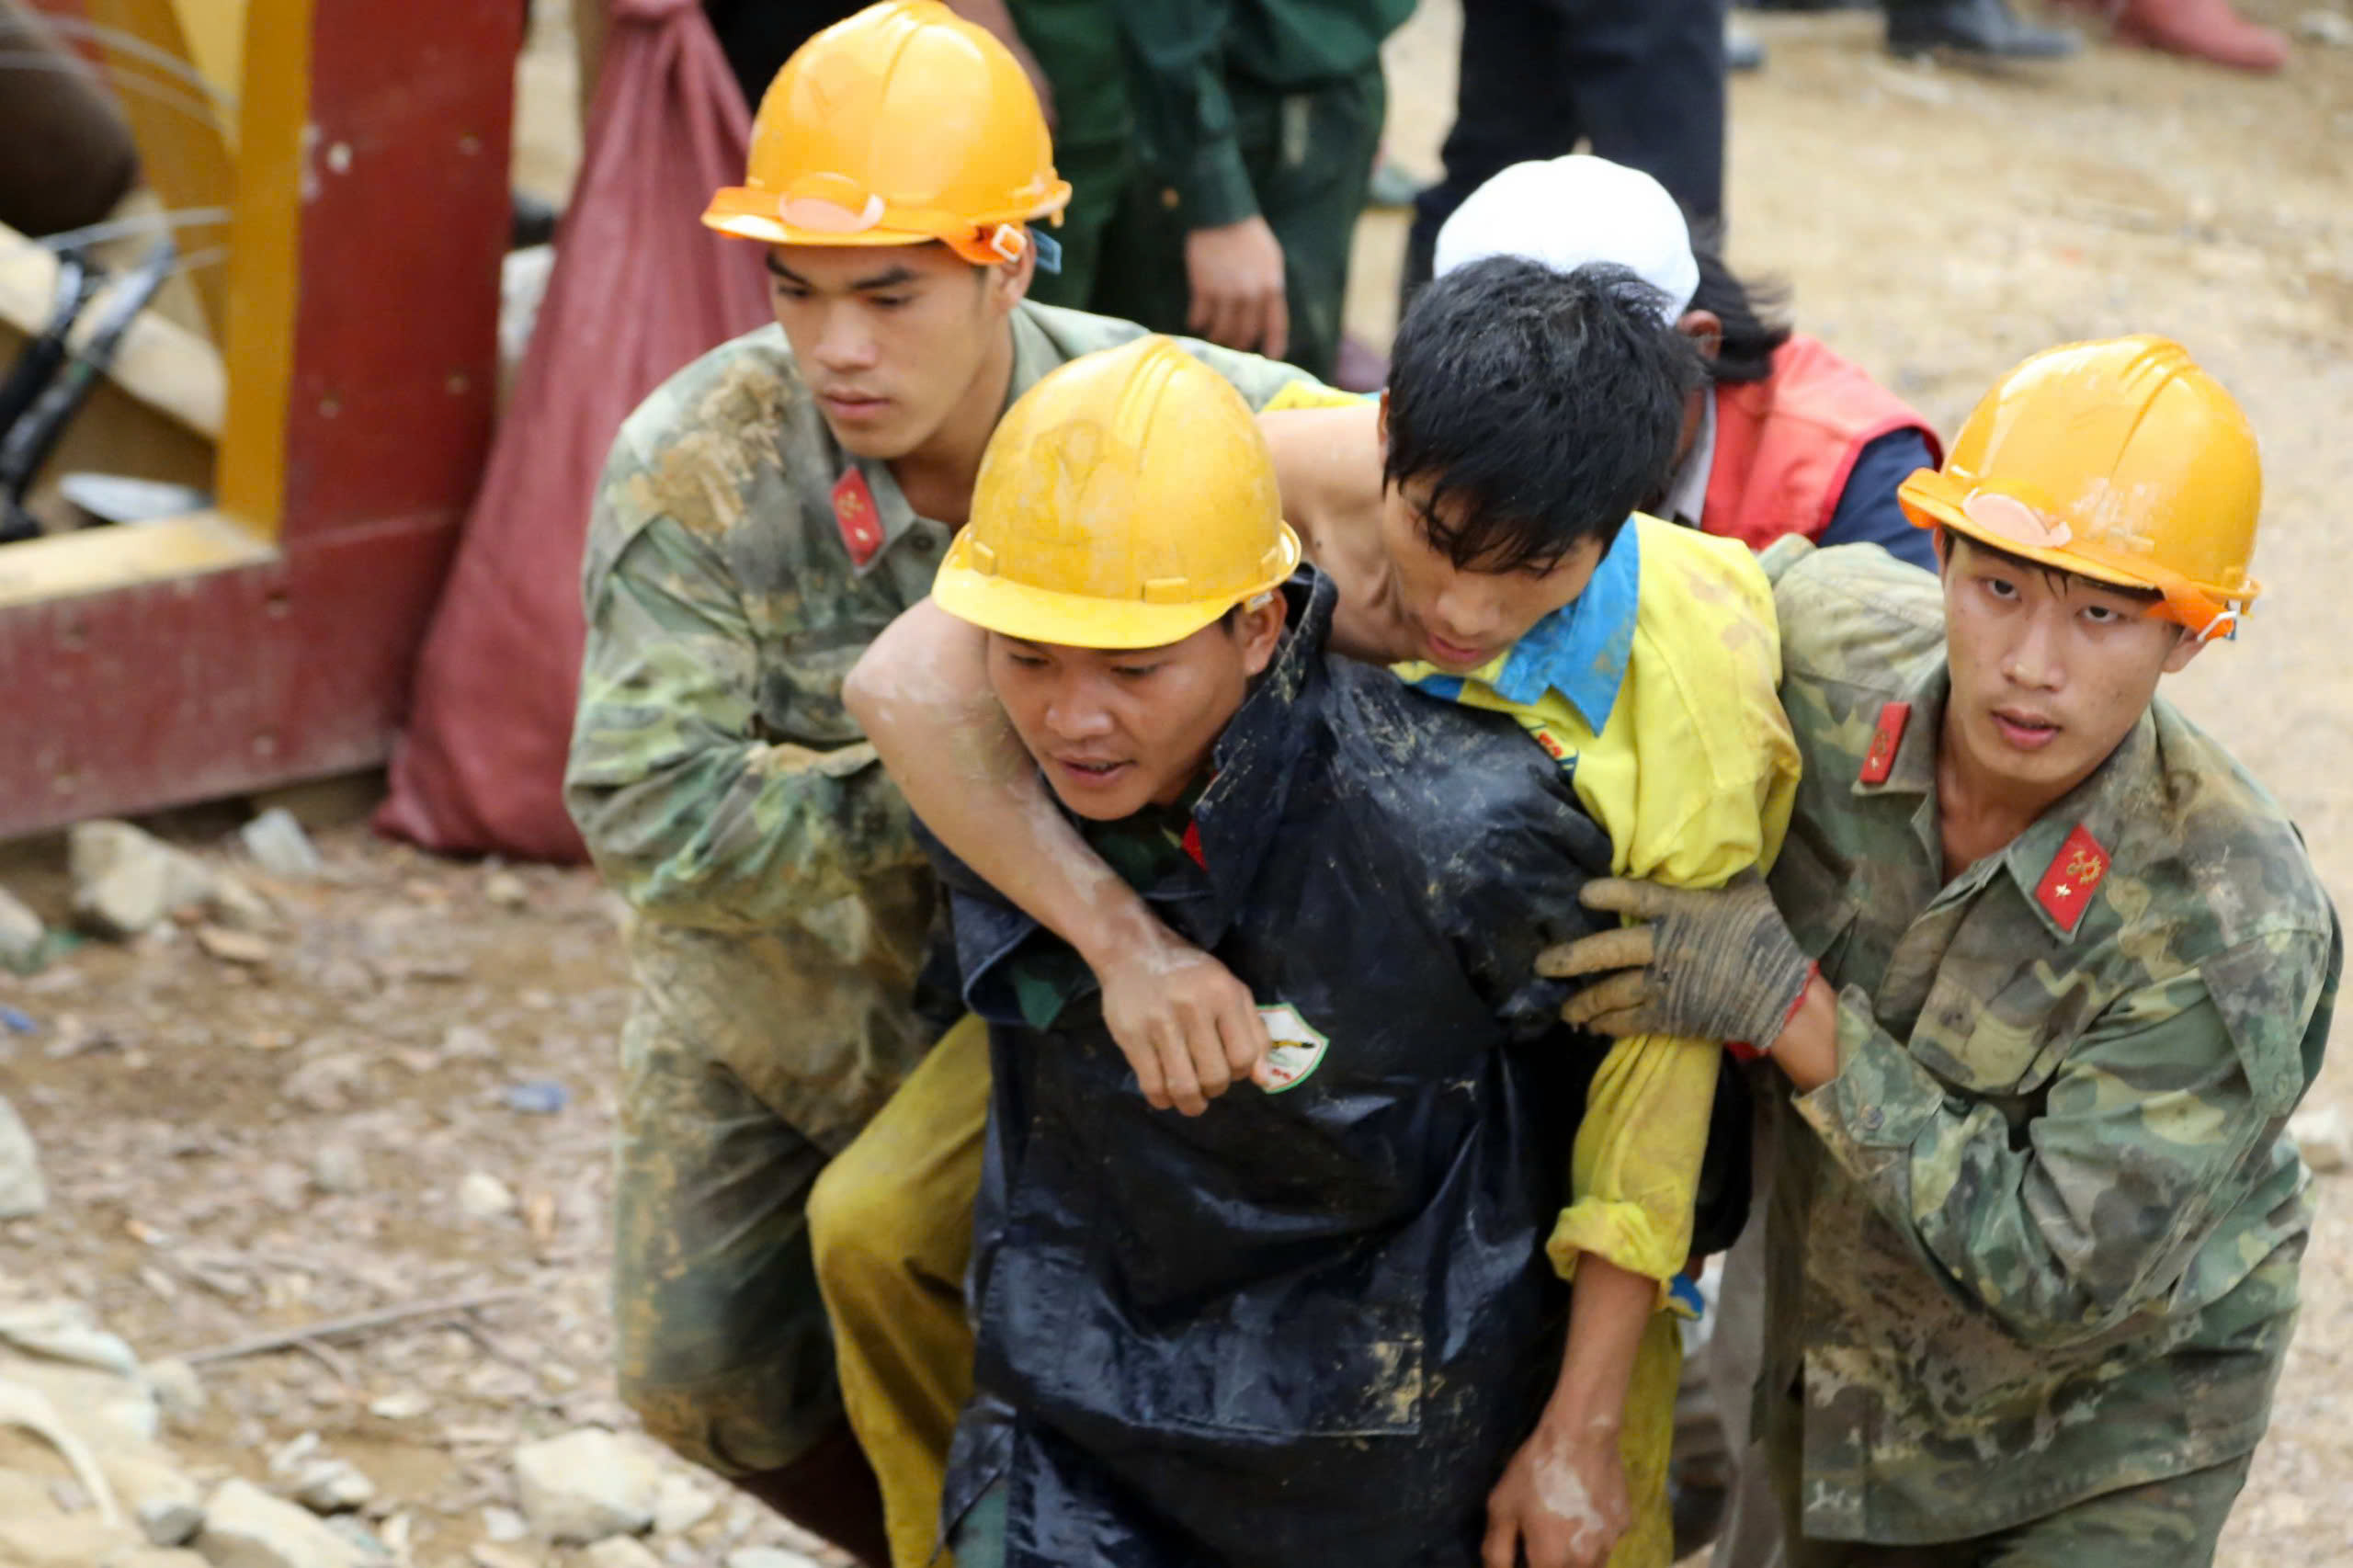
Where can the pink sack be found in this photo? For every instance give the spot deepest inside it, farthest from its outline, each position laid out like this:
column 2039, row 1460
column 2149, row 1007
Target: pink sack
column 639, row 289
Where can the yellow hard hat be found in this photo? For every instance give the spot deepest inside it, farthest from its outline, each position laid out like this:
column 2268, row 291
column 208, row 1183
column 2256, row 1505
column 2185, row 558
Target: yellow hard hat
column 901, row 124
column 2118, row 460
column 1126, row 500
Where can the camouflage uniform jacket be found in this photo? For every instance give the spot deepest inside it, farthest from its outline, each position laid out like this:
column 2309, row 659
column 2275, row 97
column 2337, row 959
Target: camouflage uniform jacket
column 2043, row 1238
column 782, row 906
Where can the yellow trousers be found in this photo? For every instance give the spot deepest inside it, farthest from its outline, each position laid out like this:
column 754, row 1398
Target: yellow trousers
column 890, row 1224
column 1643, row 1442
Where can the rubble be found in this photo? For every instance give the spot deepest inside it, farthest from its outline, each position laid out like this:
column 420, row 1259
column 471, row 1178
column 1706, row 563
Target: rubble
column 126, row 880
column 233, row 946
column 2323, row 1138
column 485, row 1555
column 465, row 1042
column 278, row 845
column 405, row 1404
column 66, row 1330
column 178, row 1387
column 768, row 1557
column 22, row 1191
column 59, row 1540
column 338, row 1170
column 246, row 1527
column 680, row 1504
column 505, row 889
column 327, row 1084
column 2332, row 27
column 169, row 1521
column 482, row 1196
column 239, row 906
column 333, row 1486
column 585, row 1485
column 29, row 1409
column 21, row 933
column 621, row 1551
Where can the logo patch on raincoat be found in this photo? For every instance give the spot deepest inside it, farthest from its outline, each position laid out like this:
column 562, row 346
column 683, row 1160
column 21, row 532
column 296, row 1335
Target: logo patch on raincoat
column 1299, row 1047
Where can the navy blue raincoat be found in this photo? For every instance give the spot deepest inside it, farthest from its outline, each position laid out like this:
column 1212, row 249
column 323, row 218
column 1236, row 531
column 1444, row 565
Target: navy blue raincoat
column 1309, row 1326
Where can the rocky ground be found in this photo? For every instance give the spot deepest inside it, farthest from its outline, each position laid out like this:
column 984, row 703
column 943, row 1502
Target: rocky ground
column 327, row 1141
column 363, row 1107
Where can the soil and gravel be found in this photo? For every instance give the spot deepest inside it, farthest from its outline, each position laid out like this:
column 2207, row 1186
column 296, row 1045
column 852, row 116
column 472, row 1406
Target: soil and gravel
column 390, row 1085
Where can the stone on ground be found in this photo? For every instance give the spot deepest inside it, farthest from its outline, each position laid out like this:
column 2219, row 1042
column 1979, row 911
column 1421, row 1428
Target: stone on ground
column 246, row 1527
column 585, row 1485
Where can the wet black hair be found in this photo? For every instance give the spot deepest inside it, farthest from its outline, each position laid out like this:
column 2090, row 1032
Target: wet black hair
column 1755, row 312
column 1549, row 400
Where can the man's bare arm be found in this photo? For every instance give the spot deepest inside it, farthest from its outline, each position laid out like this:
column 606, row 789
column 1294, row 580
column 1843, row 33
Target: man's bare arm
column 1187, row 1027
column 1327, row 462
column 1563, row 1502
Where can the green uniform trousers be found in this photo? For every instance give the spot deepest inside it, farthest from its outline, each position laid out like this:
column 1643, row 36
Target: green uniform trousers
column 733, row 1233
column 2172, row 1523
column 1098, row 177
column 1309, row 156
column 1077, row 46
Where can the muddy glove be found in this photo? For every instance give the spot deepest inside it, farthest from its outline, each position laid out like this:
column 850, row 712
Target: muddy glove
column 1718, row 964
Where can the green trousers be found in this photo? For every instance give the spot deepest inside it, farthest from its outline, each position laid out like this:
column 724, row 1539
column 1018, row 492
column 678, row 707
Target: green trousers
column 1077, row 46
column 1309, row 156
column 1098, row 177
column 2172, row 1523
column 735, row 1234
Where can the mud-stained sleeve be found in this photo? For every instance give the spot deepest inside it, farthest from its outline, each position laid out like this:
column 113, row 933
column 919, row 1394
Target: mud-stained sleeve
column 2092, row 1211
column 689, row 814
column 1706, row 712
column 1265, row 383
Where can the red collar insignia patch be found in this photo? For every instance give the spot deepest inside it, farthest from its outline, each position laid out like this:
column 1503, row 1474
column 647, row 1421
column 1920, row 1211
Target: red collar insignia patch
column 2076, row 873
column 855, row 514
column 1886, row 736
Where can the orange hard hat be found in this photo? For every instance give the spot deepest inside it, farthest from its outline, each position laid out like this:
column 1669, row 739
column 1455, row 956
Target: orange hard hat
column 901, row 124
column 2118, row 460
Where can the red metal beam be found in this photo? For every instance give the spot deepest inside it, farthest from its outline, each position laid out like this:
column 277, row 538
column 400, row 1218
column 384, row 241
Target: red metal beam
column 388, row 168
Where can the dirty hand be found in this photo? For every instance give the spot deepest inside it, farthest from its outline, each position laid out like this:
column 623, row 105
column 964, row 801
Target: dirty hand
column 1187, row 1027
column 1235, row 271
column 1563, row 1501
column 1717, row 964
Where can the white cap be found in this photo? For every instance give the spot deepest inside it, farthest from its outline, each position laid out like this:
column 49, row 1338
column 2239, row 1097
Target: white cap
column 1566, row 213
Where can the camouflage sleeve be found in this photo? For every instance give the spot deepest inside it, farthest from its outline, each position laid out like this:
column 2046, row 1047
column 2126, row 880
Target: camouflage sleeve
column 2151, row 1131
column 690, row 814
column 1259, row 380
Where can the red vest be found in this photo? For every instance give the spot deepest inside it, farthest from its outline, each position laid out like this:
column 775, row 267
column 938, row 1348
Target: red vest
column 1785, row 445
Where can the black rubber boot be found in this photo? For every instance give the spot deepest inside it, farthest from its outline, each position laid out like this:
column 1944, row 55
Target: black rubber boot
column 830, row 1490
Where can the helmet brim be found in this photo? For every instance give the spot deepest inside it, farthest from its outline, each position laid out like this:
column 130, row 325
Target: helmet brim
column 1931, row 500
column 748, row 212
column 999, row 604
